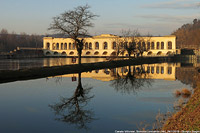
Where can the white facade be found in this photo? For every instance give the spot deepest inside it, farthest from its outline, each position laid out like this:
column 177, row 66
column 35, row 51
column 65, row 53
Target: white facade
column 105, row 45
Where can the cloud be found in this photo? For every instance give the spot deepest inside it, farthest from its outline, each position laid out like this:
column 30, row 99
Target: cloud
column 175, row 4
column 169, row 18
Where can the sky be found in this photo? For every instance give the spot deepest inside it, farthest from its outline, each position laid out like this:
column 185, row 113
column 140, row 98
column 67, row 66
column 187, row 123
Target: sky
column 156, row 17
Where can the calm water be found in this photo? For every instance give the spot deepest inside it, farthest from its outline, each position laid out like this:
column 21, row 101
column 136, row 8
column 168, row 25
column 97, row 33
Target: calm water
column 110, row 100
column 15, row 64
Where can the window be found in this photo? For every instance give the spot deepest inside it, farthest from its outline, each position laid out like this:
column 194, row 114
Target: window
column 148, row 69
column 54, row 47
column 90, row 45
column 73, row 46
column 62, row 46
column 157, row 70
column 162, row 45
column 139, row 45
column 158, row 45
column 70, row 46
column 152, row 70
column 114, row 45
column 152, row 45
column 169, row 70
column 105, row 45
column 148, row 45
column 57, row 46
column 169, row 45
column 144, row 45
column 162, row 70
column 86, row 46
column 65, row 46
column 97, row 45
column 48, row 45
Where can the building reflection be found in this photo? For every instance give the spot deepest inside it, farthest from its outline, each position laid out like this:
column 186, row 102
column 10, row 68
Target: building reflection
column 164, row 71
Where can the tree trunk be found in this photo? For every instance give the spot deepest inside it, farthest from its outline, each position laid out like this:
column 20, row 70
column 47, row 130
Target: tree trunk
column 79, row 57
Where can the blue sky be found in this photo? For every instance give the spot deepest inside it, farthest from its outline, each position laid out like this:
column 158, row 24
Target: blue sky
column 157, row 17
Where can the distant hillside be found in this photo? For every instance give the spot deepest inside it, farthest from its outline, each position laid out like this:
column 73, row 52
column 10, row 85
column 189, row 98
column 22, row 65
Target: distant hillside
column 188, row 36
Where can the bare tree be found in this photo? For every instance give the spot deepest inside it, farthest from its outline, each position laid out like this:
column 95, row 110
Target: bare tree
column 134, row 43
column 142, row 44
column 118, row 46
column 72, row 110
column 130, row 39
column 74, row 23
column 131, row 80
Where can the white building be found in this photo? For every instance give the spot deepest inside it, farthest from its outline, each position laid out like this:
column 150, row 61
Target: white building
column 106, row 45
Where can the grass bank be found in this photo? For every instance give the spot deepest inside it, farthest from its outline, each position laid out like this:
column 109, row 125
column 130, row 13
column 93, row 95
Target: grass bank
column 34, row 73
column 188, row 118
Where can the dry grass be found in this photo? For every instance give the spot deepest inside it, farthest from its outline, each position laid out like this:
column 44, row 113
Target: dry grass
column 188, row 118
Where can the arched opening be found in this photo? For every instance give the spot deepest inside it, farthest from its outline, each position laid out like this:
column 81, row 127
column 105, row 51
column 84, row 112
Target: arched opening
column 162, row 70
column 148, row 45
column 71, row 53
column 157, row 70
column 48, row 45
column 97, row 45
column 144, row 45
column 162, row 45
column 53, row 46
column 90, row 45
column 152, row 70
column 105, row 53
column 169, row 70
column 73, row 46
column 70, row 46
column 159, row 53
column 55, row 53
column 169, row 53
column 114, row 45
column 105, row 45
column 113, row 53
column 62, row 46
column 88, row 53
column 169, row 45
column 158, row 45
column 152, row 45
column 63, row 53
column 48, row 53
column 65, row 46
column 149, row 53
column 57, row 46
column 96, row 53
column 86, row 45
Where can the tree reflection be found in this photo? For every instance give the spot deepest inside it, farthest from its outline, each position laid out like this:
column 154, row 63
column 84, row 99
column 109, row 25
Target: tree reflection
column 72, row 110
column 131, row 79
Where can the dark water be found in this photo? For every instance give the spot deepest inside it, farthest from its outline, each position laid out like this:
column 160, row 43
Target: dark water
column 110, row 100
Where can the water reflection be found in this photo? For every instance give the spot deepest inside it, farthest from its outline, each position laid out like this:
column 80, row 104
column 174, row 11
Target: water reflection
column 16, row 64
column 131, row 79
column 81, row 108
column 73, row 110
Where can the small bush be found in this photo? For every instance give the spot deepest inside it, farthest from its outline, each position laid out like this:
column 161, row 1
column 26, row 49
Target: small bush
column 177, row 93
column 185, row 92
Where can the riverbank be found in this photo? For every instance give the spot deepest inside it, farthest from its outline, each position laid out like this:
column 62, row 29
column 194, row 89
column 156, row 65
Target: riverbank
column 188, row 118
column 34, row 73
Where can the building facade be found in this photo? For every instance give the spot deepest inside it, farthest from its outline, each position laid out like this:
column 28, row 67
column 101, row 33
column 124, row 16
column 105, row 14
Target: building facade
column 106, row 45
